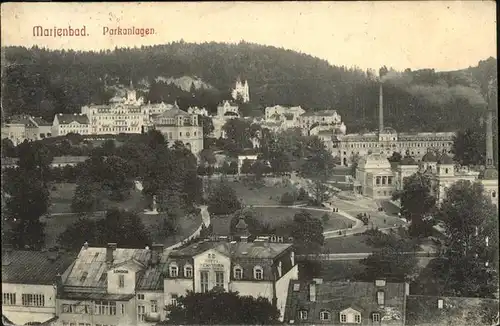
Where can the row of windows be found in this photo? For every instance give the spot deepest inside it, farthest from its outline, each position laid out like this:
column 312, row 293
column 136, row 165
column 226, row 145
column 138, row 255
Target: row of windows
column 120, row 117
column 383, row 180
column 370, row 145
column 69, row 323
column 33, row 300
column 258, row 272
column 120, row 129
column 188, row 134
column 325, row 315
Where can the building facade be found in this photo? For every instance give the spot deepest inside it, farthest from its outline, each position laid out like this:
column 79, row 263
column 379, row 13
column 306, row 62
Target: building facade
column 28, row 278
column 178, row 125
column 252, row 268
column 64, row 124
column 346, row 303
column 225, row 111
column 24, row 127
column 311, row 119
column 112, row 286
column 241, row 90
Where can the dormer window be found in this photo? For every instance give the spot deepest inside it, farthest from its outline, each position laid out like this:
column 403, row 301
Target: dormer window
column 188, row 271
column 357, row 319
column 173, row 270
column 303, row 314
column 343, row 318
column 376, row 317
column 258, row 273
column 238, row 273
column 324, row 315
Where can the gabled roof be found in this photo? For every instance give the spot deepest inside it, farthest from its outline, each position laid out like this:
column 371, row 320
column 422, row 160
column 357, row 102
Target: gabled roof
column 172, row 113
column 338, row 296
column 408, row 160
column 65, row 118
column 40, row 122
column 34, row 267
column 430, row 156
column 320, row 113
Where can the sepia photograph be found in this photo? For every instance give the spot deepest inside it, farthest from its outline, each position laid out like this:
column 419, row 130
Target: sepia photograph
column 249, row 163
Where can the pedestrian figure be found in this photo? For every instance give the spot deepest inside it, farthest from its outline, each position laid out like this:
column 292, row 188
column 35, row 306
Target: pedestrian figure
column 385, row 221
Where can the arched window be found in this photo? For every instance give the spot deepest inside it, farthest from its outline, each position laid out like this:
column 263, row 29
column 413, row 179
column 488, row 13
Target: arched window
column 446, row 171
column 258, row 273
column 324, row 315
column 493, row 194
column 173, row 270
column 188, row 271
column 238, row 272
column 280, row 266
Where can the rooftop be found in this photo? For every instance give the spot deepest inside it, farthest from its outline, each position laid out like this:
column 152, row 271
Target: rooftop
column 65, row 118
column 320, row 113
column 235, row 250
column 172, row 113
column 338, row 296
column 69, row 159
column 34, row 267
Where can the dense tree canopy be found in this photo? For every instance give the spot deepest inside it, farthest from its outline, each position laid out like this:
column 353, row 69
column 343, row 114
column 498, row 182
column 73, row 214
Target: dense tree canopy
column 221, row 308
column 307, row 232
column 43, row 82
column 222, row 200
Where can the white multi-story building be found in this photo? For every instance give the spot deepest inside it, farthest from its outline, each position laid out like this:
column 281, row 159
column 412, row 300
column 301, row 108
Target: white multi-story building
column 225, row 111
column 178, row 125
column 122, row 115
column 241, row 90
column 24, row 127
column 311, row 119
column 64, row 124
column 252, row 268
column 28, row 278
column 113, row 286
column 197, row 110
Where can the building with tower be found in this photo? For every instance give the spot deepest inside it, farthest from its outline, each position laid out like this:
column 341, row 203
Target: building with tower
column 241, row 91
column 386, row 140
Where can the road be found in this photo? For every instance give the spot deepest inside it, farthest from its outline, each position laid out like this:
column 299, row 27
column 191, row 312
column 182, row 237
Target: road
column 360, row 255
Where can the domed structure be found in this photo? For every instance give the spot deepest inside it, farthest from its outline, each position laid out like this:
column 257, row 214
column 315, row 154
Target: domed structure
column 445, row 159
column 430, row 156
column 489, row 174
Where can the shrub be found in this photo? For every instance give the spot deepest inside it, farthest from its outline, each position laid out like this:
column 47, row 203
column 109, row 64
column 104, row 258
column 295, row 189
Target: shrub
column 325, row 217
column 287, row 199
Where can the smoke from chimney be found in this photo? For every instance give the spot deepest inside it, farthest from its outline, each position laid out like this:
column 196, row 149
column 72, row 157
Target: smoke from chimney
column 381, row 109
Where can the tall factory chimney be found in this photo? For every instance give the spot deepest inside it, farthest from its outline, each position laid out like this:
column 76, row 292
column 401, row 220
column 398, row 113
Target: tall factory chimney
column 380, row 108
column 490, row 173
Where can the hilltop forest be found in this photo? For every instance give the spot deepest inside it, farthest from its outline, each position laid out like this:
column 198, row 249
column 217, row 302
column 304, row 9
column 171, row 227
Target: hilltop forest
column 44, row 82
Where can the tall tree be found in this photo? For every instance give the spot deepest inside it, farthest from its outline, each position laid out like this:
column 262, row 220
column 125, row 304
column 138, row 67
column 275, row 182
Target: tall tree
column 471, row 224
column 238, row 133
column 222, row 308
column 223, row 200
column 417, row 204
column 307, row 232
column 207, row 124
column 469, row 147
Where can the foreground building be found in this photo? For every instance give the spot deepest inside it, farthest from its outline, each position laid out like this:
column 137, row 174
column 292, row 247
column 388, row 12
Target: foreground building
column 65, row 123
column 257, row 268
column 346, row 303
column 112, row 286
column 28, row 278
column 24, row 127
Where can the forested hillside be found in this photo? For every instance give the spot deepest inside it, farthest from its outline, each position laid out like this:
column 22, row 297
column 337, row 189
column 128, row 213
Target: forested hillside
column 42, row 82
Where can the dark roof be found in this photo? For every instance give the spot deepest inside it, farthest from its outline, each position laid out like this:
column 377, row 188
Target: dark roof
column 39, row 121
column 489, row 174
column 234, row 250
column 69, row 159
column 445, row 159
column 34, row 267
column 338, row 296
column 96, row 296
column 320, row 113
column 64, row 118
column 408, row 160
column 430, row 156
column 423, row 310
column 172, row 113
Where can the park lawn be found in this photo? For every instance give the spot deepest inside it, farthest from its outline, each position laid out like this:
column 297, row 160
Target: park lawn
column 336, row 222
column 348, row 244
column 260, row 195
column 187, row 226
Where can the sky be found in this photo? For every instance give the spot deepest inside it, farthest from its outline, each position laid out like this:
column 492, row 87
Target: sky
column 445, row 35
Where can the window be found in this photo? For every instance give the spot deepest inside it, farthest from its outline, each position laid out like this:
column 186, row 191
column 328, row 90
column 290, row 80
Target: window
column 69, row 308
column 9, row 299
column 121, row 281
column 122, row 309
column 140, row 296
column 324, row 315
column 173, row 301
column 141, row 313
column 34, row 300
column 493, row 194
column 303, row 314
column 257, row 273
column 188, row 271
column 105, row 307
column 376, row 317
column 343, row 318
column 357, row 319
column 219, row 279
column 380, row 297
column 154, row 306
column 238, row 273
column 204, row 281
column 174, row 270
